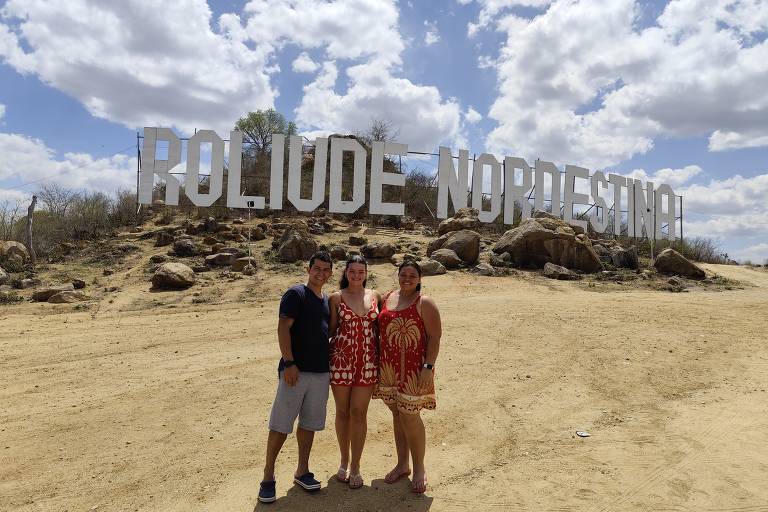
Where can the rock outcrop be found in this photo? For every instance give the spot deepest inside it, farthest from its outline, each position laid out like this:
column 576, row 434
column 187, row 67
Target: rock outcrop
column 538, row 241
column 447, row 257
column 464, row 218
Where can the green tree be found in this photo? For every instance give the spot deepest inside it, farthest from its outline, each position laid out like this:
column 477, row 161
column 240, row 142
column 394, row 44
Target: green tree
column 258, row 127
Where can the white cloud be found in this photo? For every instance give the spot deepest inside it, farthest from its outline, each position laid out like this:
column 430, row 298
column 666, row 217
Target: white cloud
column 582, row 84
column 304, row 64
column 472, row 116
column 730, row 196
column 30, row 161
column 672, row 177
column 418, row 113
column 139, row 62
column 432, row 36
column 364, row 35
column 347, row 29
column 491, row 8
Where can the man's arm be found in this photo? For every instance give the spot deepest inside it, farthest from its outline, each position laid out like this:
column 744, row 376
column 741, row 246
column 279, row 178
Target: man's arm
column 290, row 373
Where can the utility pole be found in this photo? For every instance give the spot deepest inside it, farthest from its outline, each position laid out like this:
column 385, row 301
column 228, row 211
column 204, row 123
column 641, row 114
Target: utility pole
column 30, row 245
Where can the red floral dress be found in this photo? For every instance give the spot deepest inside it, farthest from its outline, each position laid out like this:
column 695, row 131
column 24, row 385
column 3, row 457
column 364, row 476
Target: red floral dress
column 402, row 351
column 354, row 347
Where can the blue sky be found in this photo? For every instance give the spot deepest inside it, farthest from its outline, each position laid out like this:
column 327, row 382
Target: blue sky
column 664, row 91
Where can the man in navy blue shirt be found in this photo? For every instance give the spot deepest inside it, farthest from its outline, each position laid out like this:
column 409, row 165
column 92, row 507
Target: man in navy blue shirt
column 304, row 377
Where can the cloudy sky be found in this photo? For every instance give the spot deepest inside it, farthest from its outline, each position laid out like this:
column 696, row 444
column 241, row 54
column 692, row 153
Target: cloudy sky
column 673, row 92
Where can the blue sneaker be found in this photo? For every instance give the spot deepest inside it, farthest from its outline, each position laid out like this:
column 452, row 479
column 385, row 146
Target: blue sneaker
column 307, row 481
column 267, row 492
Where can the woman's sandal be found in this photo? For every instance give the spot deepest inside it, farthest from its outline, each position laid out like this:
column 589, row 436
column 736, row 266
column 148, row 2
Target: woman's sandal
column 393, row 477
column 419, row 486
column 355, row 481
column 342, row 475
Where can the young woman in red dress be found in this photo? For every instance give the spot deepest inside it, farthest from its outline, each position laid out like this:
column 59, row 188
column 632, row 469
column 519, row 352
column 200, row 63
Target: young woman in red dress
column 410, row 329
column 353, row 327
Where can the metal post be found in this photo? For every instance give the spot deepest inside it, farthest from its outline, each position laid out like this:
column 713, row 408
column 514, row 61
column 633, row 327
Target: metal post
column 681, row 224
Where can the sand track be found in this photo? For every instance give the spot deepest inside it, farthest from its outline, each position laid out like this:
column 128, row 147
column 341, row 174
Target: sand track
column 164, row 407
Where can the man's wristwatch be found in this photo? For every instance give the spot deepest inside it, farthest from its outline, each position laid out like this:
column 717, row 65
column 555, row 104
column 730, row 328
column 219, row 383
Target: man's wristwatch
column 428, row 366
column 288, row 363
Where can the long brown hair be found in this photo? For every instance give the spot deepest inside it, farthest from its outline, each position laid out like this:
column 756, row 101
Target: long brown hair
column 344, row 282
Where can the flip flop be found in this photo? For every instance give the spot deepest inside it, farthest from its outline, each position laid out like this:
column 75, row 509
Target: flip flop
column 342, row 475
column 355, row 481
column 393, row 479
column 415, row 487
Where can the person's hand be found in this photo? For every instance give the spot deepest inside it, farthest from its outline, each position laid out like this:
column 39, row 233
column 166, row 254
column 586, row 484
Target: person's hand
column 291, row 375
column 425, row 378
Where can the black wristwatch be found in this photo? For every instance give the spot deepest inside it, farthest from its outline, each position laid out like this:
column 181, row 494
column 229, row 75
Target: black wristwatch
column 428, row 366
column 288, row 363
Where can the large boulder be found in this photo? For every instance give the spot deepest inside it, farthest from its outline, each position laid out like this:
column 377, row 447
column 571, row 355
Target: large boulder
column 447, row 257
column 431, row 268
column 173, row 276
column 669, row 261
column 13, row 251
column 295, row 245
column 541, row 214
column 536, row 242
column 437, row 243
column 43, row 294
column 465, row 243
column 4, row 277
column 465, row 218
column 484, row 269
column 338, row 253
column 553, row 271
column 163, row 238
column 378, row 250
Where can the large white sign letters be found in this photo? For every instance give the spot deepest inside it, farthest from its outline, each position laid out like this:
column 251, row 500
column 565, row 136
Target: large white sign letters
column 512, row 183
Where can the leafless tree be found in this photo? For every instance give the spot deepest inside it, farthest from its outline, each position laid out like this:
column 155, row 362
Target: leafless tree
column 9, row 212
column 57, row 199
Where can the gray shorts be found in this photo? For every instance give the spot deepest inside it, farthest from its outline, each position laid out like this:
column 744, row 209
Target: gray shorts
column 308, row 400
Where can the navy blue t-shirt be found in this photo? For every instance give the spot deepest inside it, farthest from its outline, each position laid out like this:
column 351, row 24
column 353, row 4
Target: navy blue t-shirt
column 309, row 332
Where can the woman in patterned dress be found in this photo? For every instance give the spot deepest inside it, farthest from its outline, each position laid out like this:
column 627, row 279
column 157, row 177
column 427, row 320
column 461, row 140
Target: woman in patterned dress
column 410, row 329
column 353, row 327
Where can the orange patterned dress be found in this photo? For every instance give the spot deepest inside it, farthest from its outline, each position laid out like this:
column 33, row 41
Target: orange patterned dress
column 354, row 348
column 403, row 348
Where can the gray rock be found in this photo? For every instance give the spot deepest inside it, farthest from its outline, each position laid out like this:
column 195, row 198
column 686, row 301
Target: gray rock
column 431, row 268
column 536, row 242
column 222, row 259
column 79, row 284
column 338, row 253
column 553, row 271
column 173, row 276
column 437, row 243
column 378, row 250
column 357, row 240
column 43, row 294
column 294, row 246
column 163, row 238
column 68, row 297
column 185, row 247
column 4, row 276
column 158, row 258
column 669, row 261
column 240, row 263
column 465, row 243
column 625, row 258
column 465, row 218
column 447, row 257
column 484, row 269
column 249, row 270
column 30, row 283
column 11, row 250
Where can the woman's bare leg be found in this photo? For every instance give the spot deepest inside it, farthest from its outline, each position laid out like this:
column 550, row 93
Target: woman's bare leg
column 358, row 415
column 401, row 446
column 417, row 441
column 341, row 396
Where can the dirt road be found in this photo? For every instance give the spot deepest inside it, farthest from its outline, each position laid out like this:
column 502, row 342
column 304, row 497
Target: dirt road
column 157, row 403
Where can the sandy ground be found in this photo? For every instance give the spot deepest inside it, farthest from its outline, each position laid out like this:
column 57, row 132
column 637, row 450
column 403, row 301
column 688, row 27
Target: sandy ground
column 153, row 402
